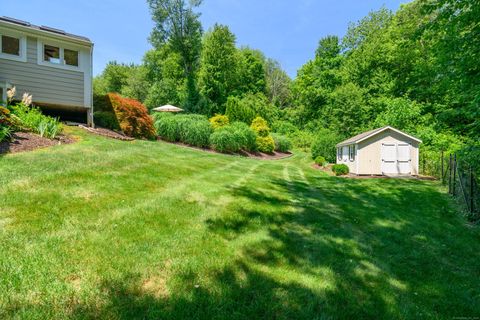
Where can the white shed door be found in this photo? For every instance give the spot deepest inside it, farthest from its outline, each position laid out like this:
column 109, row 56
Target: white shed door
column 396, row 158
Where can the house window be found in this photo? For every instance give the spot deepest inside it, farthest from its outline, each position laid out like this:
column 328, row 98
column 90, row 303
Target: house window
column 51, row 54
column 71, row 57
column 11, row 45
column 54, row 55
column 351, row 153
column 339, row 153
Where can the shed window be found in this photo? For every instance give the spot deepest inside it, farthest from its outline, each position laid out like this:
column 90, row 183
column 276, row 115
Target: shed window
column 351, row 153
column 10, row 45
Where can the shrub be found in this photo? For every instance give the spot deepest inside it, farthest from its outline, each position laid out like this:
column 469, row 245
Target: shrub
column 260, row 126
column 340, row 169
column 33, row 119
column 282, row 143
column 195, row 131
column 265, row 144
column 5, row 117
column 219, row 121
column 168, row 128
column 226, row 140
column 106, row 119
column 321, row 161
column 191, row 129
column 131, row 116
column 246, row 134
column 325, row 145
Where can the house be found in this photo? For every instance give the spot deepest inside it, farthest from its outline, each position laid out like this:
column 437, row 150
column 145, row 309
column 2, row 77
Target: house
column 383, row 151
column 54, row 66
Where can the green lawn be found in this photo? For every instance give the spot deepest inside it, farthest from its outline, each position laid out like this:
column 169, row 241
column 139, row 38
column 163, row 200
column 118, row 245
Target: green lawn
column 120, row 230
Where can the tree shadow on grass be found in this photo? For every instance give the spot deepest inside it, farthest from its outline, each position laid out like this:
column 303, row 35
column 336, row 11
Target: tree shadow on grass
column 395, row 249
column 335, row 248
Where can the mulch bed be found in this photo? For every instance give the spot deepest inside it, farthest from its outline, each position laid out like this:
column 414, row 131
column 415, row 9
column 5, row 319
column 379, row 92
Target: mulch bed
column 107, row 133
column 26, row 141
column 258, row 155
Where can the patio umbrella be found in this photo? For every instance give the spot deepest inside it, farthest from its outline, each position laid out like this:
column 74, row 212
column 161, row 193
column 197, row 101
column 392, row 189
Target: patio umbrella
column 168, row 108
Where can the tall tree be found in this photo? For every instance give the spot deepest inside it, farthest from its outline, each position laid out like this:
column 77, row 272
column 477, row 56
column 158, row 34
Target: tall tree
column 177, row 25
column 218, row 67
column 278, row 84
column 251, row 71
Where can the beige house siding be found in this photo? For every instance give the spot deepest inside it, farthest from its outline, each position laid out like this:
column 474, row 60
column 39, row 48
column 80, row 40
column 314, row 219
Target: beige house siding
column 370, row 152
column 46, row 84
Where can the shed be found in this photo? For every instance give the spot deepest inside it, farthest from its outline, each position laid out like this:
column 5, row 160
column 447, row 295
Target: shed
column 54, row 66
column 383, row 151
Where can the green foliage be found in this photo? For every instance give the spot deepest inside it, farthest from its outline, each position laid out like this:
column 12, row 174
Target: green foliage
column 106, row 119
column 245, row 109
column 302, row 139
column 5, row 133
column 247, row 136
column 284, row 127
column 33, row 119
column 251, row 77
column 128, row 80
column 340, row 169
column 218, row 67
column 191, row 129
column 282, row 143
column 219, row 121
column 260, row 126
column 325, row 145
column 186, row 41
column 321, row 161
column 225, row 140
column 278, row 84
column 400, row 113
column 265, row 144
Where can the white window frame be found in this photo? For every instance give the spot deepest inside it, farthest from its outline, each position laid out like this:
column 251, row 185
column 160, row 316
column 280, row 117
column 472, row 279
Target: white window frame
column 23, row 46
column 62, row 65
column 351, row 152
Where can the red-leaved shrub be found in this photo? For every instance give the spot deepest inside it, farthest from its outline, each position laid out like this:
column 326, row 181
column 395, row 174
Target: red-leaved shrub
column 132, row 116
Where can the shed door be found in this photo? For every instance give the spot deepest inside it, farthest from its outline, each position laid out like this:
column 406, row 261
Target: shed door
column 396, row 158
column 404, row 160
column 389, row 158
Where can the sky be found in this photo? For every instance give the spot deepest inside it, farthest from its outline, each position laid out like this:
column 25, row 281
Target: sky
column 285, row 30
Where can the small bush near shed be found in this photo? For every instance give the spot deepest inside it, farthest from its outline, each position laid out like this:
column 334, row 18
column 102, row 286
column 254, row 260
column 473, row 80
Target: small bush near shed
column 340, row 169
column 321, row 161
column 282, row 143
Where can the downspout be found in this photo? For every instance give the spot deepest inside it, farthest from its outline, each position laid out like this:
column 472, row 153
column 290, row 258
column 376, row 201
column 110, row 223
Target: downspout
column 92, row 124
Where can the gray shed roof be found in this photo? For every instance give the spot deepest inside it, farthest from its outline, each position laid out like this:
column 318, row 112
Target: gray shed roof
column 53, row 31
column 365, row 135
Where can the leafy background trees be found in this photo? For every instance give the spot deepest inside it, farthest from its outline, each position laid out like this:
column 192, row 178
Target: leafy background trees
column 415, row 69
